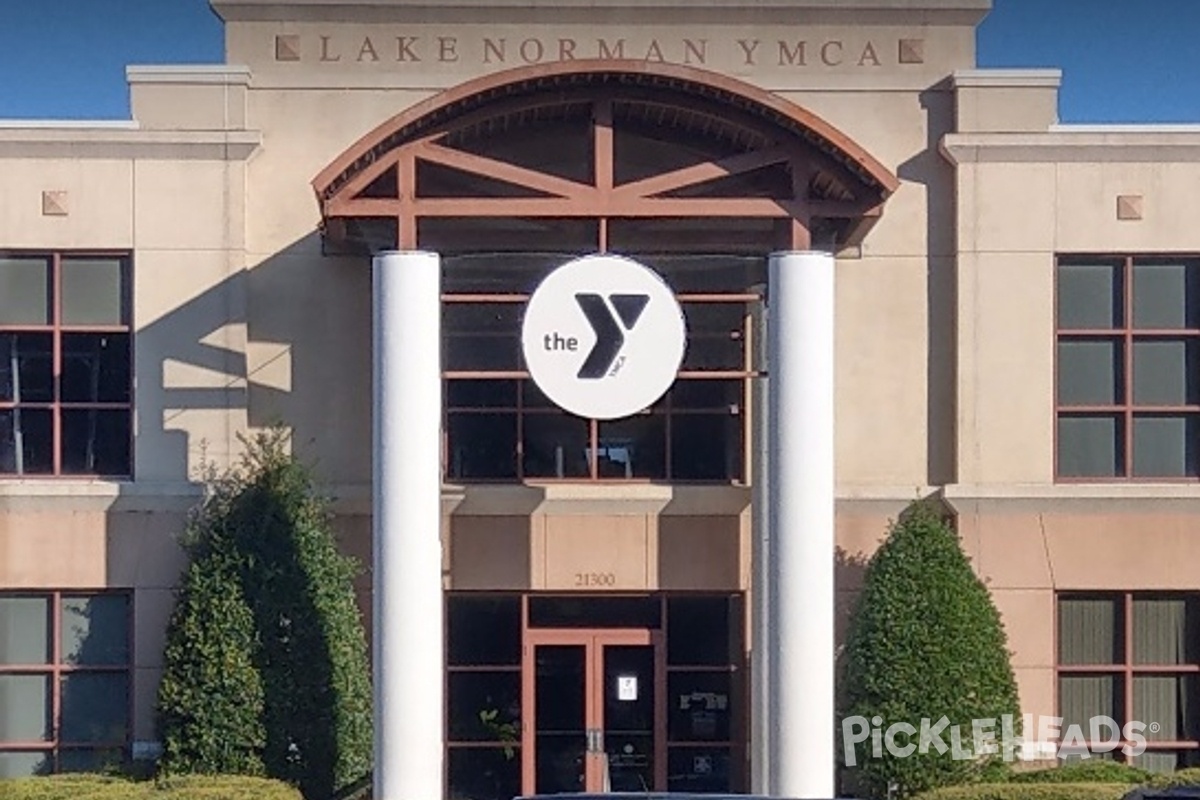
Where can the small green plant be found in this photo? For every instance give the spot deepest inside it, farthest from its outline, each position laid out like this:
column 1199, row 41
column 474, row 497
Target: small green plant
column 507, row 732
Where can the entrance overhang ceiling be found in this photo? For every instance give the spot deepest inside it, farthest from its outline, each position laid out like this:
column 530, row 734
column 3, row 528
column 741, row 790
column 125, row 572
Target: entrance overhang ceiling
column 832, row 177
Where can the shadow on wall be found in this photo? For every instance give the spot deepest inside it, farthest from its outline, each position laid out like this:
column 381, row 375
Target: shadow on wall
column 929, row 169
column 93, row 703
column 307, row 363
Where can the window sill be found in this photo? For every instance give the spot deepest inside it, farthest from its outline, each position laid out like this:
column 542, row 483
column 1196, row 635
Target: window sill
column 93, row 494
column 1111, row 490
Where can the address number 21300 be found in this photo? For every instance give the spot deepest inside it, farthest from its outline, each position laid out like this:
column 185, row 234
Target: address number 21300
column 584, row 579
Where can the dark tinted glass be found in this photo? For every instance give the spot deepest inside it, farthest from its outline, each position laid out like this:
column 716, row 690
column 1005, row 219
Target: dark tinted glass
column 96, row 368
column 26, row 367
column 484, row 706
column 482, row 773
column 483, row 631
column 27, row 441
column 482, row 446
column 96, row 442
column 595, row 612
column 699, row 630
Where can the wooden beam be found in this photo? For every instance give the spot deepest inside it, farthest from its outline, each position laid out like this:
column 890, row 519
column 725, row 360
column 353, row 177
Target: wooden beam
column 501, row 171
column 700, row 173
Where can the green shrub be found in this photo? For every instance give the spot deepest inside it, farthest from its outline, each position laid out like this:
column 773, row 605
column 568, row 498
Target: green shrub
column 1094, row 770
column 263, row 528
column 1183, row 777
column 1028, row 791
column 210, row 701
column 925, row 642
column 100, row 787
column 222, row 787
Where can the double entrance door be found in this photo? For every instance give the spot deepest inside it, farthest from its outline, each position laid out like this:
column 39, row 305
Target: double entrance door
column 594, row 708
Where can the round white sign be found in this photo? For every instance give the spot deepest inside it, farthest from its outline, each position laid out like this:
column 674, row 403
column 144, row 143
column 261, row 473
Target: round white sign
column 603, row 337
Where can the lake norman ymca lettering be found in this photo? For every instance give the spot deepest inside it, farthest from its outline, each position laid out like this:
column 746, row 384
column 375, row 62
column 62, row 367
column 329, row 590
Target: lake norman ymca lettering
column 503, row 50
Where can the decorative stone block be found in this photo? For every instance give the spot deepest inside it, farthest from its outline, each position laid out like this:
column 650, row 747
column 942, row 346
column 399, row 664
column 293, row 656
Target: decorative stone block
column 1129, row 206
column 54, row 203
column 912, row 51
column 287, row 47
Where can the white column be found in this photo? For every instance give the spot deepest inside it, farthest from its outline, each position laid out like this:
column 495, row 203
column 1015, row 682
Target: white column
column 406, row 526
column 760, row 559
column 800, row 336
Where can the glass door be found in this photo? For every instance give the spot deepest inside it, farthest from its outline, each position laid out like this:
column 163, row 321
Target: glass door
column 593, row 712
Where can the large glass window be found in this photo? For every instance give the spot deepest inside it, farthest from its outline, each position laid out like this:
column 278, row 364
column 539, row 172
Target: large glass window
column 483, row 701
column 1128, row 368
column 699, row 685
column 64, row 681
column 1134, row 657
column 500, row 427
column 65, row 365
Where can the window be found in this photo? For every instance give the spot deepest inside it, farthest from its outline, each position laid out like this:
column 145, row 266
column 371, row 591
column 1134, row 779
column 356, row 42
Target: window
column 65, row 365
column 1134, row 657
column 705, row 726
column 64, row 681
column 1128, row 368
column 499, row 426
column 483, row 695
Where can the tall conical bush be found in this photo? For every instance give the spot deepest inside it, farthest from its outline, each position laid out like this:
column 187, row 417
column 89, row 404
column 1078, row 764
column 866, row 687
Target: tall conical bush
column 264, row 524
column 926, row 642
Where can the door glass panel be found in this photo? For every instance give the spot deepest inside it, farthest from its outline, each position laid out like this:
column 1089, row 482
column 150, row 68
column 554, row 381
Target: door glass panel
column 699, row 769
column 699, row 704
column 561, row 718
column 629, row 717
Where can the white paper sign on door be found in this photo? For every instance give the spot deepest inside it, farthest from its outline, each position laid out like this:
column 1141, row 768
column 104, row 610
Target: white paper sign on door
column 627, row 688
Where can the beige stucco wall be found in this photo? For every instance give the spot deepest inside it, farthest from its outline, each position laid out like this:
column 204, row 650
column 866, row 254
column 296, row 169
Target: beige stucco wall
column 1021, row 200
column 176, row 200
column 945, row 313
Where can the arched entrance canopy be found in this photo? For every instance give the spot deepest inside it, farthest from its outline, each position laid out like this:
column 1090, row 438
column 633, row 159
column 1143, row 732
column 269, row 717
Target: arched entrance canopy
column 606, row 139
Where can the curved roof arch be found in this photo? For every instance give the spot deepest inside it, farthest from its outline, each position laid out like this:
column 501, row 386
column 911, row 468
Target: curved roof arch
column 747, row 111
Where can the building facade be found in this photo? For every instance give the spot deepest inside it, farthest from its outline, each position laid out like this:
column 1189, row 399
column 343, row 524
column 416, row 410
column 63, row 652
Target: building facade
column 1017, row 334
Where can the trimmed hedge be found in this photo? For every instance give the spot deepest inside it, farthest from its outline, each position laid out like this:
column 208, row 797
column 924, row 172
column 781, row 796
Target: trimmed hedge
column 1183, row 777
column 926, row 643
column 102, row 787
column 1091, row 771
column 1028, row 791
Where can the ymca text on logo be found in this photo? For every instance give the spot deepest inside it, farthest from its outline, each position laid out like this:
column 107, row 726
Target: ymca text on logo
column 992, row 737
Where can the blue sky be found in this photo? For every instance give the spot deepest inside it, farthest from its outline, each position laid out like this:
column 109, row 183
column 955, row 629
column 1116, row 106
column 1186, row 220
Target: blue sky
column 1124, row 60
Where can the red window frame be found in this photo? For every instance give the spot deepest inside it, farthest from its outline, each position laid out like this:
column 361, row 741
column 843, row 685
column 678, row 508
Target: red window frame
column 56, row 669
column 57, row 329
column 1126, row 409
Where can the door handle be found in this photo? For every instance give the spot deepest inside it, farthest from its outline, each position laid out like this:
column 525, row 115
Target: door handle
column 595, row 740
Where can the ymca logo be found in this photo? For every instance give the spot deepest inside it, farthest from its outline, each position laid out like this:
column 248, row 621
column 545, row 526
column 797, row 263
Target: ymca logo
column 609, row 336
column 603, row 337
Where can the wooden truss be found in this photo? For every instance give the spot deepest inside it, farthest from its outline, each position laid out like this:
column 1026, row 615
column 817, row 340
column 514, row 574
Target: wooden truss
column 831, row 178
